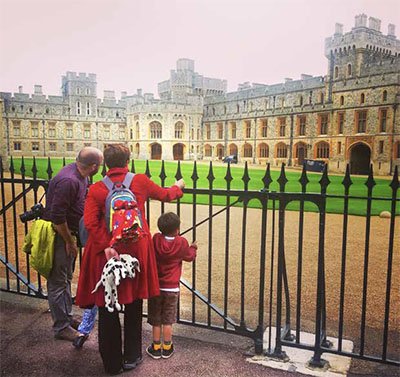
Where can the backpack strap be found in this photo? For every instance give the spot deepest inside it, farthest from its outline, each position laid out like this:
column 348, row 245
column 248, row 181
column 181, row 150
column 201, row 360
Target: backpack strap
column 128, row 180
column 108, row 183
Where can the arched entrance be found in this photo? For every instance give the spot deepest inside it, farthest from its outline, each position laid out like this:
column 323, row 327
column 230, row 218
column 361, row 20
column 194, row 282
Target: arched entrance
column 178, row 151
column 360, row 156
column 301, row 153
column 156, row 151
column 220, row 151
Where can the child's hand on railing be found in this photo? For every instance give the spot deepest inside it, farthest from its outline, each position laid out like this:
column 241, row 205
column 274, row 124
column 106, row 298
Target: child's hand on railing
column 180, row 183
column 194, row 244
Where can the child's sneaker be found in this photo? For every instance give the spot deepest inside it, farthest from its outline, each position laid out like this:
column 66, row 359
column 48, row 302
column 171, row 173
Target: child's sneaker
column 167, row 350
column 154, row 350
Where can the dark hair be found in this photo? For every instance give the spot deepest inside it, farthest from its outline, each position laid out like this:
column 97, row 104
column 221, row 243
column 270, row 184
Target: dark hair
column 116, row 155
column 168, row 223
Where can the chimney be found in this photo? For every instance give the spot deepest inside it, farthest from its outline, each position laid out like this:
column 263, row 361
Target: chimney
column 361, row 20
column 391, row 30
column 37, row 89
column 20, row 89
column 374, row 24
column 338, row 29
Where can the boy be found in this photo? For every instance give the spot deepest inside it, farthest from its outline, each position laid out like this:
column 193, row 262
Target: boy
column 171, row 249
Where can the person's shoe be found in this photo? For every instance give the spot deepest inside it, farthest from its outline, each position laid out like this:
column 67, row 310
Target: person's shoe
column 80, row 340
column 154, row 350
column 167, row 350
column 127, row 365
column 67, row 334
column 75, row 323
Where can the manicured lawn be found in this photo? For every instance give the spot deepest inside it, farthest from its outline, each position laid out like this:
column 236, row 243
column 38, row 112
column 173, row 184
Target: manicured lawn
column 334, row 205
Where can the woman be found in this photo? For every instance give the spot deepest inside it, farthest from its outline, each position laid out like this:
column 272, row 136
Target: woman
column 131, row 292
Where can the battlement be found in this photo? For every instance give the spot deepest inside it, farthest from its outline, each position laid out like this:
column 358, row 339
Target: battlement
column 362, row 36
column 81, row 76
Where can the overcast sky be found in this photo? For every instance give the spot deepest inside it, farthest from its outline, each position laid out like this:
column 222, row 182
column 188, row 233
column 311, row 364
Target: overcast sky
column 133, row 44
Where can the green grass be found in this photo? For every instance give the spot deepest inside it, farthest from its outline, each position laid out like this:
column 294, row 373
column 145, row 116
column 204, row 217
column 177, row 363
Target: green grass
column 358, row 188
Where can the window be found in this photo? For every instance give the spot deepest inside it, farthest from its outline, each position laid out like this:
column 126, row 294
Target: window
column 86, row 131
column 381, row 144
column 137, row 131
column 310, row 97
column 52, row 147
column 17, row 145
column 321, row 98
column 87, row 108
column 263, row 150
column 247, row 150
column 237, row 108
column 213, row 110
column 69, row 131
column 383, row 120
column 131, row 133
column 78, row 108
column 339, row 147
column 341, row 100
column 208, row 132
column 106, row 132
column 78, row 91
column 87, row 91
column 300, row 100
column 52, row 130
column 336, row 72
column 137, row 149
column 35, row 146
column 197, row 149
column 397, row 150
column 233, row 130
column 16, row 128
column 198, row 134
column 233, row 151
column 192, row 134
column 282, row 126
column 87, row 144
column 247, row 129
column 349, row 70
column 323, row 150
column 362, row 98
column 35, row 129
column 220, row 131
column 340, row 123
column 178, row 130
column 323, row 118
column 155, row 130
column 207, row 150
column 264, row 127
column 302, row 126
column 281, row 150
column 70, row 147
column 121, row 132
column 361, row 117
column 384, row 96
column 282, row 101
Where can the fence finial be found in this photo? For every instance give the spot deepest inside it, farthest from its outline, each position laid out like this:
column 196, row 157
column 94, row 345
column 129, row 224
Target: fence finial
column 22, row 169
column 370, row 182
column 303, row 178
column 228, row 176
column 162, row 174
column 133, row 166
column 49, row 169
column 324, row 181
column 395, row 181
column 178, row 174
column 210, row 175
column 194, row 176
column 34, row 168
column 246, row 177
column 267, row 179
column 147, row 172
column 347, row 182
column 282, row 180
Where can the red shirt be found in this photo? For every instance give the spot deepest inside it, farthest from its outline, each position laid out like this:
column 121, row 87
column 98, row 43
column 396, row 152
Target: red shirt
column 169, row 254
column 145, row 283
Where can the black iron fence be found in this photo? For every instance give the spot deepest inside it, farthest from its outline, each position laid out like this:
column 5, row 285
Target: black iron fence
column 261, row 273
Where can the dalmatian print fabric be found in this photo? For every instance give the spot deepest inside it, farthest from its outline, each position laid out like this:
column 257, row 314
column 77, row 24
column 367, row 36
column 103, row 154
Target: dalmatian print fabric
column 113, row 272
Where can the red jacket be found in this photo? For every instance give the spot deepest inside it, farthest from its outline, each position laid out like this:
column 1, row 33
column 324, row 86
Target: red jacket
column 169, row 255
column 146, row 282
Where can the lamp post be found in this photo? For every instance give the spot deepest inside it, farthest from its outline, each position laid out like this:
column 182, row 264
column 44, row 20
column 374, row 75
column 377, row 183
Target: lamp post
column 44, row 138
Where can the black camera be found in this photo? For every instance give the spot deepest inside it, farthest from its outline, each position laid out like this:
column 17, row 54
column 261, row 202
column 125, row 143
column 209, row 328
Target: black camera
column 34, row 213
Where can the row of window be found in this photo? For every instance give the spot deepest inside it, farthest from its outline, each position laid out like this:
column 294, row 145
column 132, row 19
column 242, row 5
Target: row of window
column 69, row 147
column 323, row 122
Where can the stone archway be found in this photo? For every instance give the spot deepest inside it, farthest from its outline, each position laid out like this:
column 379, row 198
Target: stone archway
column 301, row 153
column 178, row 151
column 360, row 158
column 220, row 151
column 156, row 151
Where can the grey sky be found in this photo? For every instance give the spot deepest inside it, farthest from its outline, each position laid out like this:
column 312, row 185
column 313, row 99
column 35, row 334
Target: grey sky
column 133, row 44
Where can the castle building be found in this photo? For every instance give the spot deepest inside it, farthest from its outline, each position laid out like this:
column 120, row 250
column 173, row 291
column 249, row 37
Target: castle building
column 349, row 115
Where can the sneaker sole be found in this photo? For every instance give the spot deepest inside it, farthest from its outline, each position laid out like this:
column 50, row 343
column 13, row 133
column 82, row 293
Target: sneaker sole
column 151, row 355
column 167, row 356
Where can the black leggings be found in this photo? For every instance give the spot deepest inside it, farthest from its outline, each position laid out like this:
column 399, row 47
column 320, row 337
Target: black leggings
column 110, row 341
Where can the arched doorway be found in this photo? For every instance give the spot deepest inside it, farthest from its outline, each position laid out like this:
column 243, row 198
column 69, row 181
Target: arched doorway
column 301, row 153
column 360, row 156
column 156, row 151
column 178, row 151
column 220, row 151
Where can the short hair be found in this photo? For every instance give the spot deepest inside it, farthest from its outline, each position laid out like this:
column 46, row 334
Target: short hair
column 168, row 223
column 88, row 157
column 116, row 155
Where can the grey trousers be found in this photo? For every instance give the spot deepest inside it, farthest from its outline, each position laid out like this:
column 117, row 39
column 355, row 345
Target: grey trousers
column 59, row 287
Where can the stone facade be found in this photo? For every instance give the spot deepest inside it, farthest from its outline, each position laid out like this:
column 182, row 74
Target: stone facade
column 350, row 115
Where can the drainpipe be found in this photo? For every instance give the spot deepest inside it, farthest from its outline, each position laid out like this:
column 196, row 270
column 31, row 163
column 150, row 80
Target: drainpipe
column 392, row 142
column 255, row 140
column 291, row 140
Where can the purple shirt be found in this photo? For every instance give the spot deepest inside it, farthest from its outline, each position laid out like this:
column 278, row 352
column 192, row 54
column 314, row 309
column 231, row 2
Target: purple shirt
column 65, row 197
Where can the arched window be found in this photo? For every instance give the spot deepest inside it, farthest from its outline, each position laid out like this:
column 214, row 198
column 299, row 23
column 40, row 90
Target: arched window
column 198, row 134
column 192, row 133
column 233, row 151
column 362, row 98
column 300, row 100
column 137, row 131
column 263, row 150
column 237, row 108
column 322, row 150
column 197, row 149
column 282, row 101
column 247, row 150
column 348, row 69
column 155, row 130
column 341, row 100
column 281, row 150
column 137, row 149
column 384, row 96
column 321, row 97
column 207, row 150
column 178, row 130
column 78, row 108
column 336, row 72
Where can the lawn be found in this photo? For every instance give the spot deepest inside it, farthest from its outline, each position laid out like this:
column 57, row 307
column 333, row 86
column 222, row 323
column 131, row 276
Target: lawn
column 334, row 205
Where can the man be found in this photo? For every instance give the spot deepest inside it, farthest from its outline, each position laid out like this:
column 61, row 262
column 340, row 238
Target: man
column 65, row 201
